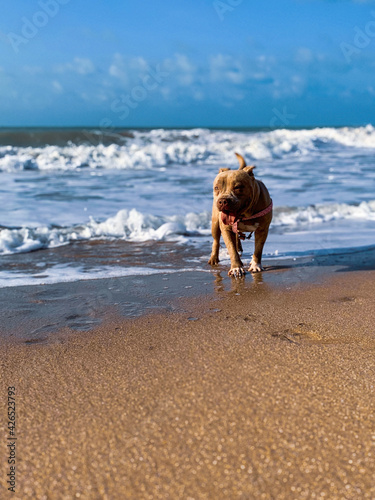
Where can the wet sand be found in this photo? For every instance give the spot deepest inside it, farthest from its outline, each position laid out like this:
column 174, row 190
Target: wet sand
column 261, row 390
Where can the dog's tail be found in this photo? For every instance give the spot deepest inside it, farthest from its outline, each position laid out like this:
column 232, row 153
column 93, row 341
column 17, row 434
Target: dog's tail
column 241, row 160
column 243, row 165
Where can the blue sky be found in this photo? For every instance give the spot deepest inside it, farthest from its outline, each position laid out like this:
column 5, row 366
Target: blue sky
column 187, row 63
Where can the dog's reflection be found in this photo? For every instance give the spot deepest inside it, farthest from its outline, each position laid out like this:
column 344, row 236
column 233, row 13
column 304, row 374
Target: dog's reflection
column 236, row 285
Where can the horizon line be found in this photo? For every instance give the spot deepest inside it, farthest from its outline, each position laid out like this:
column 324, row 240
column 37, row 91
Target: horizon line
column 177, row 127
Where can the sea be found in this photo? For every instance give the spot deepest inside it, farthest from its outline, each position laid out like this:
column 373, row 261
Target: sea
column 80, row 204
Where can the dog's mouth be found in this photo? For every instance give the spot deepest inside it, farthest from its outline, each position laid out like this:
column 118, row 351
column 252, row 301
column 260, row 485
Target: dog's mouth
column 230, row 213
column 228, row 218
column 233, row 209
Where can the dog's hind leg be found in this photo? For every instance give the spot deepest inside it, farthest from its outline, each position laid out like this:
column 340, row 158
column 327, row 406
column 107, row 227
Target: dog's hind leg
column 256, row 261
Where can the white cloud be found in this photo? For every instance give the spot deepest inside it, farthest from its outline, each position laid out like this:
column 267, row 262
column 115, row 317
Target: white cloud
column 97, row 97
column 226, row 68
column 83, row 66
column 181, row 69
column 79, row 65
column 198, row 95
column 117, row 68
column 57, row 87
column 304, row 55
column 265, row 62
column 33, row 70
column 128, row 69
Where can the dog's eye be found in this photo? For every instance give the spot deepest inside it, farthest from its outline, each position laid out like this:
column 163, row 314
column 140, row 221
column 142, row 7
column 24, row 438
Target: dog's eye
column 238, row 188
column 216, row 188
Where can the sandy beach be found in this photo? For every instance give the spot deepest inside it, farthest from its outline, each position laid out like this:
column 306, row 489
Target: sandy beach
column 262, row 389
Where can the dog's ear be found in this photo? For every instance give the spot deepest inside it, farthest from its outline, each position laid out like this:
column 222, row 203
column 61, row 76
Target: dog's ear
column 249, row 170
column 223, row 170
column 241, row 160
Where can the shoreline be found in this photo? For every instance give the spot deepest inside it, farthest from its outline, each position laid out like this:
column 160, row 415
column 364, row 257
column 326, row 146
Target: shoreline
column 37, row 313
column 253, row 391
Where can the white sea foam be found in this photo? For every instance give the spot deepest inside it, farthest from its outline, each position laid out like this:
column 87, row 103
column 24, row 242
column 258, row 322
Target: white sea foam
column 134, row 226
column 322, row 213
column 66, row 274
column 160, row 148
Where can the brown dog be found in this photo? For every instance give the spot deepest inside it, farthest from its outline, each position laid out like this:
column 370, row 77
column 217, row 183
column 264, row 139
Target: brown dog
column 241, row 204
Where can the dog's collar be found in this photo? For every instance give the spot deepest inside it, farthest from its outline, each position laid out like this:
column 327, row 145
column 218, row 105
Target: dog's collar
column 233, row 220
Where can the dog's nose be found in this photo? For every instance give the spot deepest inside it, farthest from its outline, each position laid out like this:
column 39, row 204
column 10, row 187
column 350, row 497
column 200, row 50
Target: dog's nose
column 222, row 203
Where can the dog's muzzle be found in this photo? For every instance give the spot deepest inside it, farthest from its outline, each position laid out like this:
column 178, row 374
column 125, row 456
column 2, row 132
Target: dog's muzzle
column 226, row 205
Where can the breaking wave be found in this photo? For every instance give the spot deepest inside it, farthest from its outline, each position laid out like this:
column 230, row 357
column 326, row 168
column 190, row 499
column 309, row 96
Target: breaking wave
column 160, row 148
column 134, row 226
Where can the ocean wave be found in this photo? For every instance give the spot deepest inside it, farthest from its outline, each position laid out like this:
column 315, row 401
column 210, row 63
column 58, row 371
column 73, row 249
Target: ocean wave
column 323, row 213
column 134, row 226
column 129, row 225
column 160, row 148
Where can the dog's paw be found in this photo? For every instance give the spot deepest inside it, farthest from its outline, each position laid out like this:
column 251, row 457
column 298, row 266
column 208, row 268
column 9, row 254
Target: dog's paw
column 237, row 272
column 214, row 260
column 255, row 267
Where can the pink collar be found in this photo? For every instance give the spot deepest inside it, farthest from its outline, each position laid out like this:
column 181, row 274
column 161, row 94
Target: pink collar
column 232, row 220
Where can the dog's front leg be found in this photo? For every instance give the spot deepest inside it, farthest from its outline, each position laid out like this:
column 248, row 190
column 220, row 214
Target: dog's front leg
column 236, row 268
column 256, row 261
column 216, row 232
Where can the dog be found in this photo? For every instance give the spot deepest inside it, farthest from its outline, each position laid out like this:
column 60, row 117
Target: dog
column 241, row 205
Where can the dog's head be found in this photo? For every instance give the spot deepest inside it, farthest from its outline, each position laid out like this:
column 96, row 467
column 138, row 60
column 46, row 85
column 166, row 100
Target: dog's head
column 236, row 190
